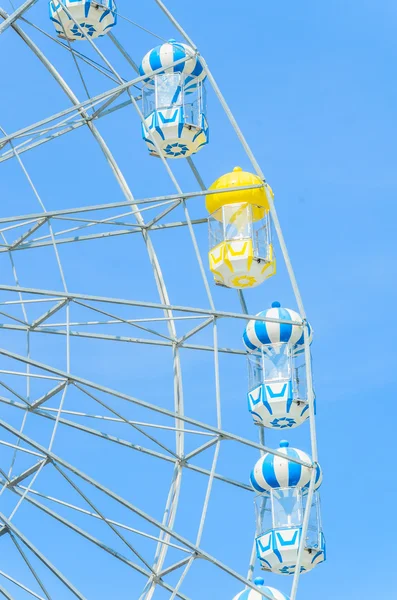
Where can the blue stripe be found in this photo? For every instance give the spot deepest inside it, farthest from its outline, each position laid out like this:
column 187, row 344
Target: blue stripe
column 188, row 80
column 110, row 25
column 304, row 410
column 262, row 560
column 200, row 131
column 154, row 59
column 318, row 473
column 265, row 400
column 294, row 470
column 198, row 69
column 104, row 14
column 290, row 397
column 247, row 341
column 180, row 128
column 268, row 471
column 255, row 485
column 276, row 551
column 316, row 555
column 179, row 53
column 323, row 546
column 260, row 328
column 157, row 125
column 178, row 90
column 305, row 488
column 301, row 340
column 189, row 88
column 285, row 330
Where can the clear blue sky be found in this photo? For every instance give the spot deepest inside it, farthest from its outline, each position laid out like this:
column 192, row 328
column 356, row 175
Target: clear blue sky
column 313, row 87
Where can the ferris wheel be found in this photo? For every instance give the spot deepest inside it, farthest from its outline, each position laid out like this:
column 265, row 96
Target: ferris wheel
column 135, row 295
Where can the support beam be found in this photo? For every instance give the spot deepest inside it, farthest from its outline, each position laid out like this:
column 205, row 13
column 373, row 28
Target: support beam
column 96, row 516
column 17, row 480
column 58, row 388
column 123, row 502
column 48, row 314
column 21, row 586
column 16, row 14
column 99, row 207
column 89, row 537
column 156, row 306
column 27, row 234
column 30, row 566
column 11, row 527
column 127, row 444
column 164, row 411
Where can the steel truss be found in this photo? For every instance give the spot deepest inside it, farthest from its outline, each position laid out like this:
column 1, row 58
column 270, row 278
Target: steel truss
column 53, row 315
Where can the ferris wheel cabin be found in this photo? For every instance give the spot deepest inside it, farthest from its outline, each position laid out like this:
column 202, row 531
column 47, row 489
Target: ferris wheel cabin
column 81, row 19
column 241, row 251
column 174, row 101
column 277, row 396
column 280, row 509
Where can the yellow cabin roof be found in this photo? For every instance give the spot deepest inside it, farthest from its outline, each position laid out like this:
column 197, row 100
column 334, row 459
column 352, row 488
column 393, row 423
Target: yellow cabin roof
column 239, row 178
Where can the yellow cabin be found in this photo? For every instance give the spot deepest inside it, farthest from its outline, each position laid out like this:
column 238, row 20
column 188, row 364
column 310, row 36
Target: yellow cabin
column 241, row 252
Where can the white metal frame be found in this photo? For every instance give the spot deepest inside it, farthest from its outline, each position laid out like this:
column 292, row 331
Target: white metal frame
column 129, row 217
